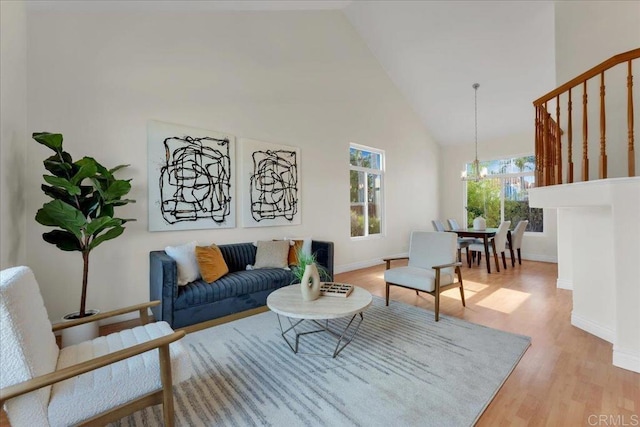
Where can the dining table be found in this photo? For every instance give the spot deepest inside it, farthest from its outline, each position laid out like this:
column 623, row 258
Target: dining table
column 486, row 236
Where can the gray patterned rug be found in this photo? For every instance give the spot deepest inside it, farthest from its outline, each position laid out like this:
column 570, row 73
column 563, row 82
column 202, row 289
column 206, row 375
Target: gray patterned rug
column 402, row 369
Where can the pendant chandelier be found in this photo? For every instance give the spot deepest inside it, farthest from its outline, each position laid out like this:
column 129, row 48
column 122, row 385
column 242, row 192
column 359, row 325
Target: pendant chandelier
column 476, row 173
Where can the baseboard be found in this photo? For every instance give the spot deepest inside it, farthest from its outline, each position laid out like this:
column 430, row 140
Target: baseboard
column 564, row 284
column 593, row 328
column 377, row 261
column 364, row 264
column 539, row 257
column 626, row 359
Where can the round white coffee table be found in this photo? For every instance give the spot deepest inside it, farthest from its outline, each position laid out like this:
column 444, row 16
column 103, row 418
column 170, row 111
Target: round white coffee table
column 287, row 302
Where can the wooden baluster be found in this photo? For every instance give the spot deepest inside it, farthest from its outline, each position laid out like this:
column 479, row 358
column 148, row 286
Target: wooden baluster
column 585, row 135
column 558, row 143
column 603, row 130
column 569, row 141
column 631, row 154
column 552, row 152
column 538, row 149
column 547, row 148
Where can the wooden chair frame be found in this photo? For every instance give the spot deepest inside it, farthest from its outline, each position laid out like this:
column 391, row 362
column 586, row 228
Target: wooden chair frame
column 164, row 395
column 438, row 288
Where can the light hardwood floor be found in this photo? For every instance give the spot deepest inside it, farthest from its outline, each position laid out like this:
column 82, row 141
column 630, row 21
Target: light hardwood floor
column 564, row 379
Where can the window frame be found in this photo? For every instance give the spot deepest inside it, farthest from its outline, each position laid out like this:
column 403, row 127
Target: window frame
column 503, row 177
column 366, row 171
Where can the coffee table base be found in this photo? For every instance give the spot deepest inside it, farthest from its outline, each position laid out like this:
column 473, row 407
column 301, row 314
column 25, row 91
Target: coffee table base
column 343, row 337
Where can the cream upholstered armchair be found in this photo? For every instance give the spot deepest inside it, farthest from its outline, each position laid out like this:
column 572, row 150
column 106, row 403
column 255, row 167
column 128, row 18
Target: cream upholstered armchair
column 91, row 383
column 432, row 266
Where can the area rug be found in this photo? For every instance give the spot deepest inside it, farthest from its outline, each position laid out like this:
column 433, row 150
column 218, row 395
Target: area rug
column 403, row 368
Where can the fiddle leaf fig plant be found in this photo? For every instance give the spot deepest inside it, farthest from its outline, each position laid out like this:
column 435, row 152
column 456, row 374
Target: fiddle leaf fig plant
column 84, row 194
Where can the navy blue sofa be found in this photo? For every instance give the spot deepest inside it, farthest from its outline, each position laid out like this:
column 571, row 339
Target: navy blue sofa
column 237, row 291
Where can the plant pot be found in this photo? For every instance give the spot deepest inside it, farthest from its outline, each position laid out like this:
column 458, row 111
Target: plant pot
column 310, row 283
column 80, row 333
column 479, row 223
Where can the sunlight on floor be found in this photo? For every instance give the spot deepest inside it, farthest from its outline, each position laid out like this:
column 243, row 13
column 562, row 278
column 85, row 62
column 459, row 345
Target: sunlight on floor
column 504, row 300
column 470, row 290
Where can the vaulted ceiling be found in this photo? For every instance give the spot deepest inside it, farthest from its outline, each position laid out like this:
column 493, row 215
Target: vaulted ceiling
column 433, row 51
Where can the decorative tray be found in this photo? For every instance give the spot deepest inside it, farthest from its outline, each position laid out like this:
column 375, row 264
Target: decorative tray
column 333, row 289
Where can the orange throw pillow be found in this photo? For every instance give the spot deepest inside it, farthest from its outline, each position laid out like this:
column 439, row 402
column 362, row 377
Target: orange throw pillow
column 211, row 263
column 293, row 251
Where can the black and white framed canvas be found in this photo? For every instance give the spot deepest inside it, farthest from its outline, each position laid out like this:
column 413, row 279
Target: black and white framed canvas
column 191, row 178
column 270, row 184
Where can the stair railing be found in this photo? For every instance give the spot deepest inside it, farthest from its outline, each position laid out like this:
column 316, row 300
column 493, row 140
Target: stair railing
column 549, row 133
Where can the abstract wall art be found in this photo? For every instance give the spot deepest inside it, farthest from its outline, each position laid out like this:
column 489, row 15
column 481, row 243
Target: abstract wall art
column 191, row 178
column 270, row 184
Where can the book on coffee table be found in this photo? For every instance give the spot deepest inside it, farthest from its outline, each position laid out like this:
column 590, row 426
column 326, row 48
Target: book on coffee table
column 333, row 289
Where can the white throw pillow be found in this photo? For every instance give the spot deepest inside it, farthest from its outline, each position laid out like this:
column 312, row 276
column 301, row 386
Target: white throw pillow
column 185, row 257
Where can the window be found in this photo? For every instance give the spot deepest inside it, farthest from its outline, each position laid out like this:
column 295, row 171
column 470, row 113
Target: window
column 503, row 195
column 366, row 175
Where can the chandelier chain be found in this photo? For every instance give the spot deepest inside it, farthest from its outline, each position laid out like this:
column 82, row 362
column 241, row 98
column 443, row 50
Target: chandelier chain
column 475, row 106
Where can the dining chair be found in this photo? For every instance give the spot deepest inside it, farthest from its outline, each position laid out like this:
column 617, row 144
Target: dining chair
column 462, row 243
column 438, row 225
column 516, row 241
column 92, row 383
column 498, row 244
column 432, row 266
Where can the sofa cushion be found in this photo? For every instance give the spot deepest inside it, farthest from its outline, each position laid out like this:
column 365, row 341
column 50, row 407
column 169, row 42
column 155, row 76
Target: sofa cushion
column 185, row 257
column 238, row 255
column 231, row 285
column 211, row 263
column 272, row 254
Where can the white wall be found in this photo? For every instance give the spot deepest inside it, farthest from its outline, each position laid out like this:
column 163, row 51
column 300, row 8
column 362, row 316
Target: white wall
column 535, row 246
column 604, row 280
column 588, row 33
column 13, row 132
column 298, row 78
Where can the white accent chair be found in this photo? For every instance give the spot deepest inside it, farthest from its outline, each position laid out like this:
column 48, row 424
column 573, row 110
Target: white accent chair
column 91, row 383
column 516, row 241
column 432, row 266
column 498, row 244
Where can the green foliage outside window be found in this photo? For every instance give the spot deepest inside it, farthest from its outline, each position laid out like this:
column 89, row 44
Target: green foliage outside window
column 365, row 191
column 513, row 176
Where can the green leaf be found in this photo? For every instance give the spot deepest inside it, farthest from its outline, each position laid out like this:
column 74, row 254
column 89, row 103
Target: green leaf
column 106, row 210
column 117, row 168
column 118, row 189
column 87, row 168
column 63, row 240
column 98, row 186
column 111, row 234
column 60, row 214
column 51, row 140
column 57, row 167
column 119, row 202
column 72, row 189
column 99, row 224
column 58, row 194
column 104, row 172
column 89, row 205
